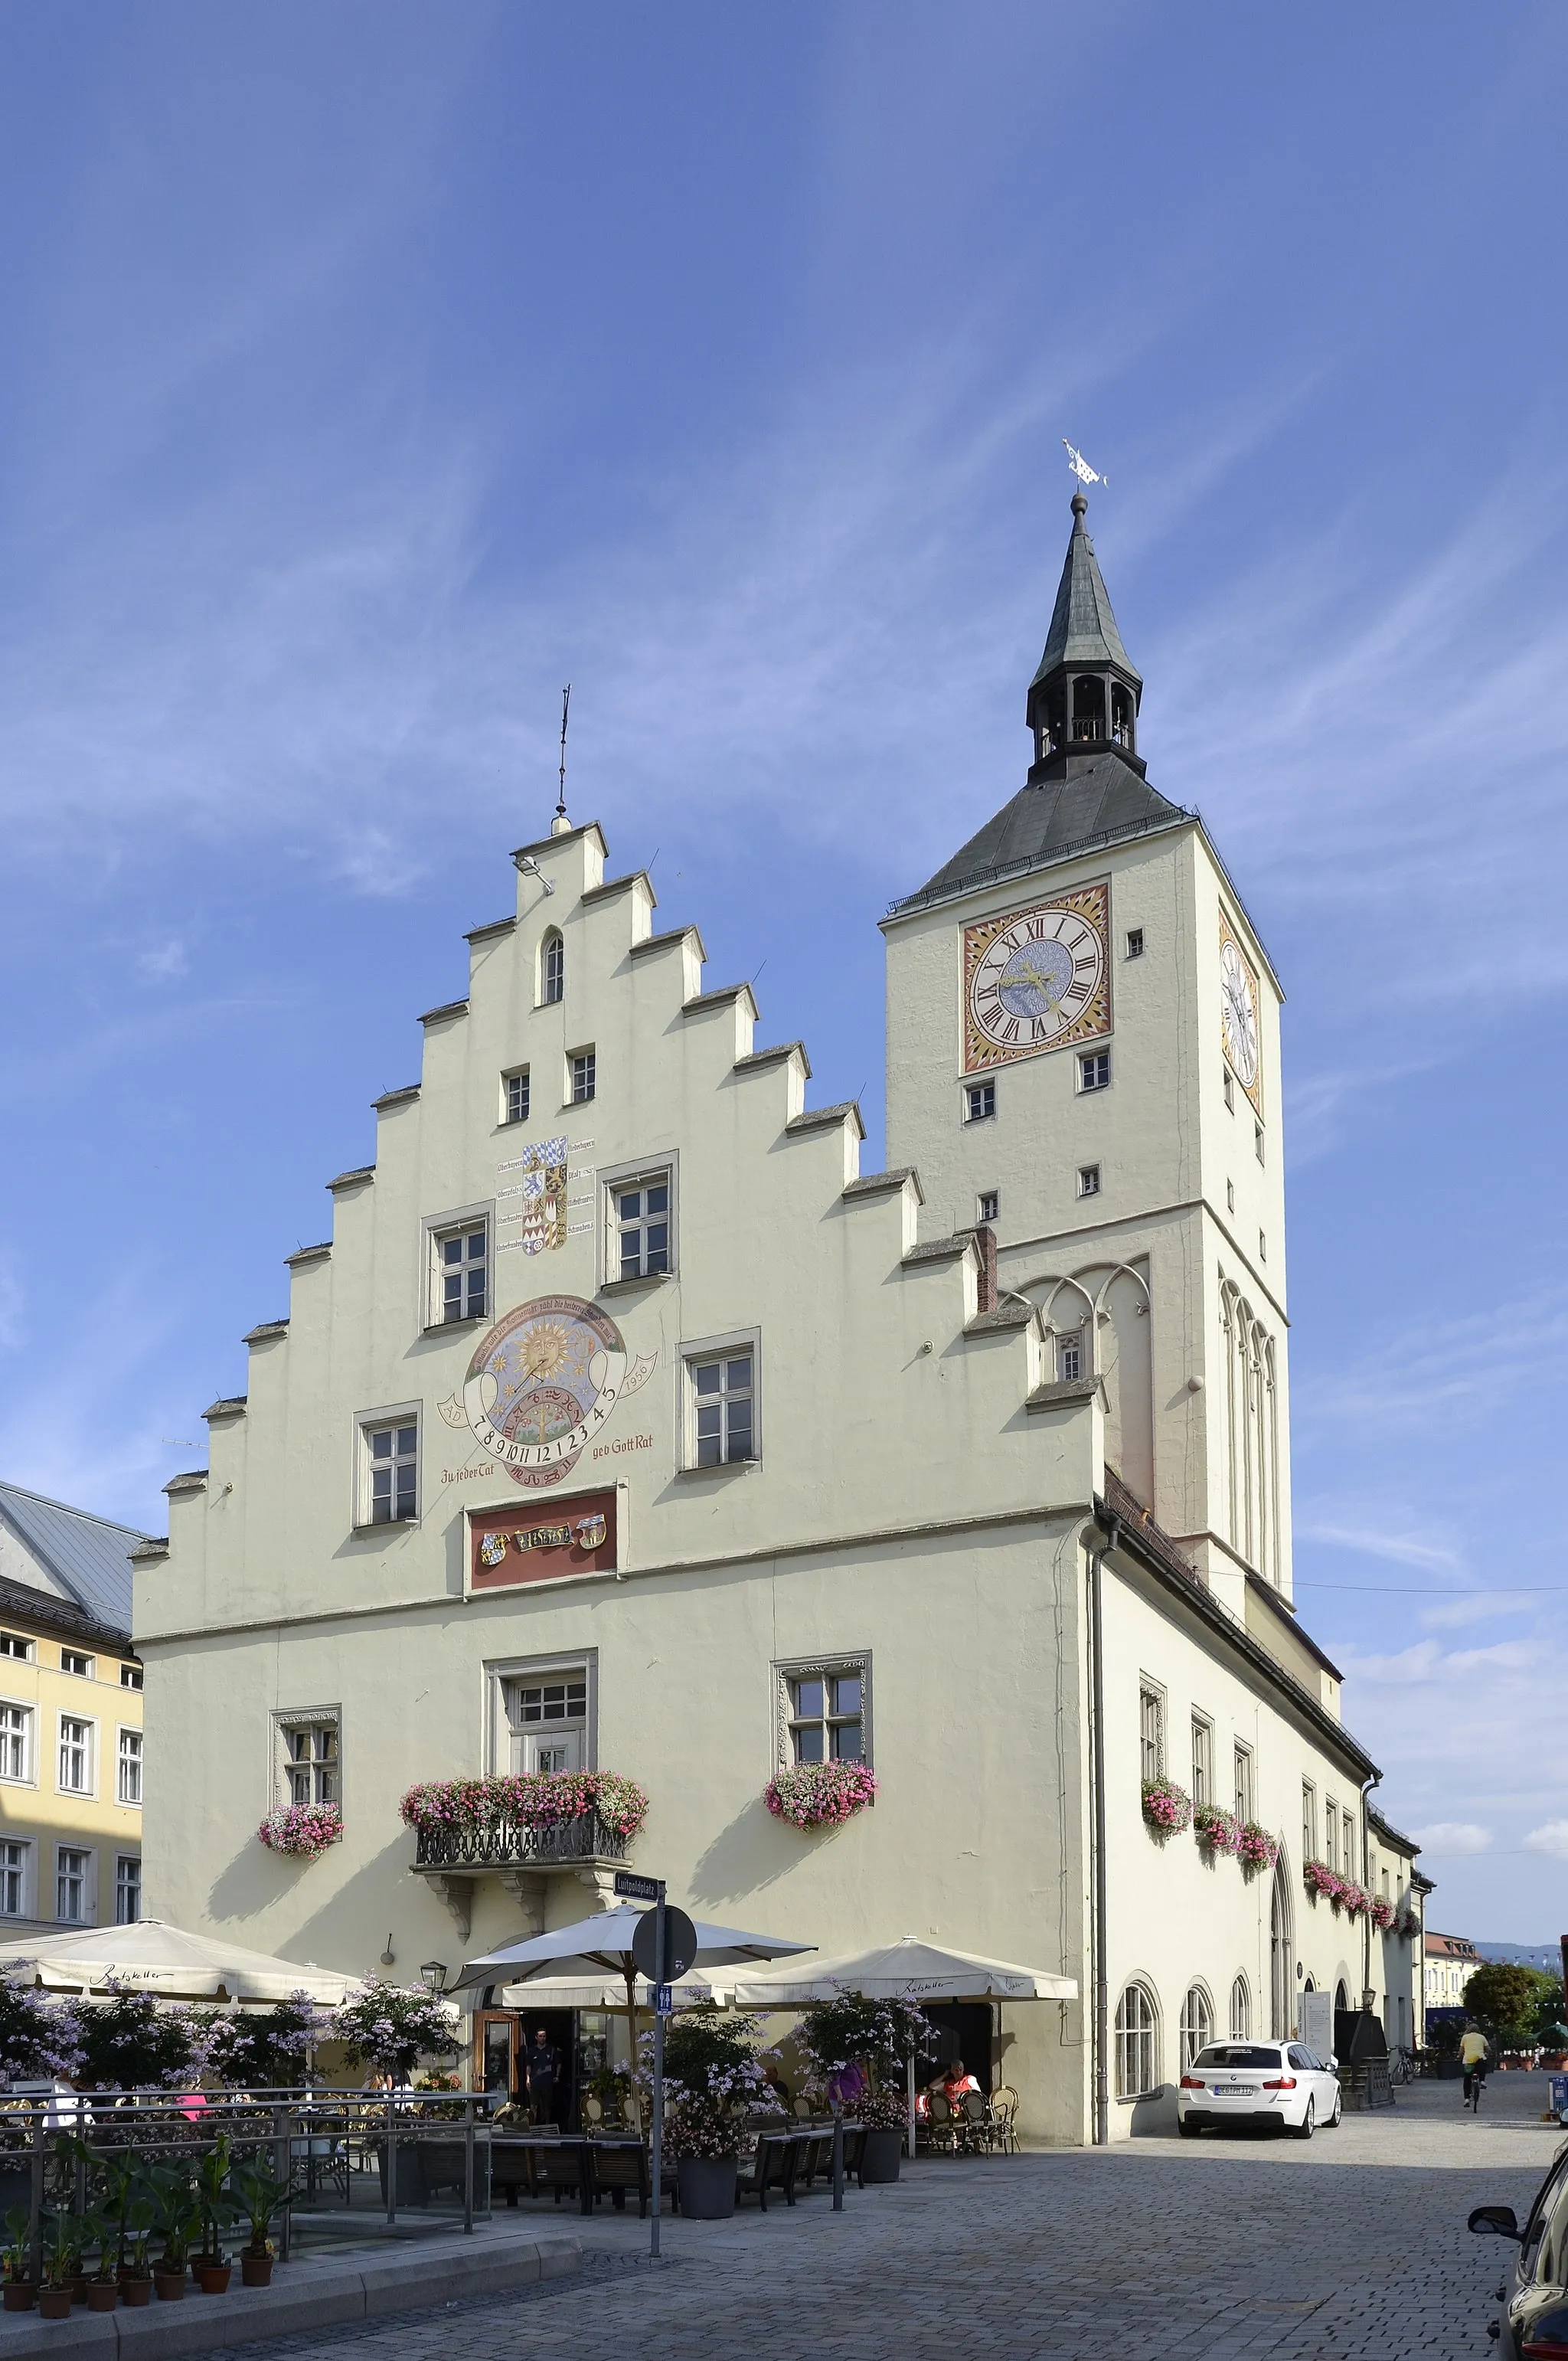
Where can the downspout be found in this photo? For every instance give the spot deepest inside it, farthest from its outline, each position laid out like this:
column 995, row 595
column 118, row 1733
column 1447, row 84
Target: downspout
column 1367, row 1787
column 1098, row 1543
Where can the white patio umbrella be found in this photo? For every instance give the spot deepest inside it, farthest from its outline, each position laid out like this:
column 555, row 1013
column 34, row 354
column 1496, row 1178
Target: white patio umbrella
column 601, row 1947
column 907, row 1968
column 167, row 1961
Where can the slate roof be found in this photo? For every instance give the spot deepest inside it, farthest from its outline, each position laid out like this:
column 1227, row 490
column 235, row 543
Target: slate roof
column 1102, row 802
column 82, row 1559
column 1083, row 629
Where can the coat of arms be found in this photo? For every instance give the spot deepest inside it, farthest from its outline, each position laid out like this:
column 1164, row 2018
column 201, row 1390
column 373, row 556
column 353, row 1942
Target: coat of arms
column 538, row 1218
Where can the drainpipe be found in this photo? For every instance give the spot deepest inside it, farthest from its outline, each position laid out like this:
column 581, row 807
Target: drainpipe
column 1097, row 1543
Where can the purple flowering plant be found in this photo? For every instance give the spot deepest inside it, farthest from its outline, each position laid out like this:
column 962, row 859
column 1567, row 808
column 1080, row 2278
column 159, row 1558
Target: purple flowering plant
column 1382, row 1915
column 303, row 1830
column 40, row 2038
column 820, row 1795
column 389, row 2027
column 1168, row 1809
column 1255, row 1849
column 268, row 2048
column 1217, row 1830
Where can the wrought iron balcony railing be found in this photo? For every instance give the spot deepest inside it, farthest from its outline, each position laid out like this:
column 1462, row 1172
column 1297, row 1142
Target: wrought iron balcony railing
column 505, row 1846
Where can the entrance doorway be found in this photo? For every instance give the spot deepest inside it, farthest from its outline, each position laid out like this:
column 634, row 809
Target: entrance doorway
column 502, row 2039
column 964, row 2030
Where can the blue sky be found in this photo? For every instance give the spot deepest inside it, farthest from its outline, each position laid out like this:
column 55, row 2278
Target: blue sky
column 371, row 370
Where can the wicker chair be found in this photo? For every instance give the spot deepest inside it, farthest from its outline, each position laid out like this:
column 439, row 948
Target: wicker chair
column 1004, row 2119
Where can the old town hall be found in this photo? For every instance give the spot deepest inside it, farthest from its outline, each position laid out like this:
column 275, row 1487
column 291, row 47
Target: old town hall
column 624, row 1431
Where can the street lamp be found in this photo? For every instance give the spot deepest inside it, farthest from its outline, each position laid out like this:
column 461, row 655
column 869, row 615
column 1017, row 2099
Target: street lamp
column 432, row 1975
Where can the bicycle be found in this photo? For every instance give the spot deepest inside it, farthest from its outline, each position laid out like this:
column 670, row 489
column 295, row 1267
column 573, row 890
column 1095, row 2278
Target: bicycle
column 1402, row 2066
column 1475, row 2082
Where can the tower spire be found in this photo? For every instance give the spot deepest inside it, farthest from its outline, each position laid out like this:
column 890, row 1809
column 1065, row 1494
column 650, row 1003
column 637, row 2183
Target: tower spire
column 1086, row 690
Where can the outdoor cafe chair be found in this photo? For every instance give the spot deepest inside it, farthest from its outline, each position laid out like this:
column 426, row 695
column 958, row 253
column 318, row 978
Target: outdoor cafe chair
column 1004, row 2119
column 614, row 2166
column 773, row 2167
column 976, row 2125
column 944, row 2131
column 562, row 2165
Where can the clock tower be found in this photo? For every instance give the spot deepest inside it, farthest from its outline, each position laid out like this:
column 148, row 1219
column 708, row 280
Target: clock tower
column 1083, row 1059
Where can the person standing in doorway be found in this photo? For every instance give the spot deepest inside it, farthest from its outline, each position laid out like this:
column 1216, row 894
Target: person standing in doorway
column 541, row 2065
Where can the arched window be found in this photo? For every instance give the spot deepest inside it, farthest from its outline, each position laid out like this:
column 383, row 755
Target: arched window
column 1281, row 1954
column 1196, row 2023
column 1341, row 1998
column 1138, row 2043
column 1241, row 2011
column 552, row 966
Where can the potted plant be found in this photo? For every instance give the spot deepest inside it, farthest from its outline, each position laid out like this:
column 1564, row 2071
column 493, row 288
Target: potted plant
column 136, row 2270
column 217, row 2208
column 869, row 2042
column 179, row 2220
column 702, row 2139
column 104, row 2287
column 302, row 1830
column 820, row 1795
column 61, row 2262
column 885, row 2115
column 1255, row 1849
column 1168, row 1809
column 20, row 2287
column 261, row 2193
column 1217, row 1830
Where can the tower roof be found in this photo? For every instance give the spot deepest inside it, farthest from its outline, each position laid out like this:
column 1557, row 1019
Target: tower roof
column 1083, row 629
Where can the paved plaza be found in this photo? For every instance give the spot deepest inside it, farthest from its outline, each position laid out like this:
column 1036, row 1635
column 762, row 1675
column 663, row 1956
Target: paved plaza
column 1352, row 2244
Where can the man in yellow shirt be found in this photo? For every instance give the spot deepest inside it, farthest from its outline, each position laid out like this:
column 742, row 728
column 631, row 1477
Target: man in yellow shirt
column 1475, row 2053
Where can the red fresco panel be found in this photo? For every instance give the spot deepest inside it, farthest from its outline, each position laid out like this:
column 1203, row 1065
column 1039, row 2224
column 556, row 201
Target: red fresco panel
column 508, row 1546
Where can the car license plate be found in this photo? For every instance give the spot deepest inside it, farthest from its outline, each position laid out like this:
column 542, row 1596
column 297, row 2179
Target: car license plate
column 1237, row 2090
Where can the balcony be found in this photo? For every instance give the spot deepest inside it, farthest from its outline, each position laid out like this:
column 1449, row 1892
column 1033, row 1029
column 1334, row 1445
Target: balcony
column 524, row 1830
column 475, row 1851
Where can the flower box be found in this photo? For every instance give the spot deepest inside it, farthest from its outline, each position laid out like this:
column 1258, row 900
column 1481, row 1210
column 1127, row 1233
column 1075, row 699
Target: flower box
column 542, row 1800
column 1255, row 1849
column 1320, row 1880
column 303, row 1830
column 1382, row 1916
column 820, row 1795
column 1168, row 1809
column 1217, row 1830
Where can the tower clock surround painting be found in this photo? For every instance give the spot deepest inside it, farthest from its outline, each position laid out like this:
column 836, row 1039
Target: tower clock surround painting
column 1037, row 979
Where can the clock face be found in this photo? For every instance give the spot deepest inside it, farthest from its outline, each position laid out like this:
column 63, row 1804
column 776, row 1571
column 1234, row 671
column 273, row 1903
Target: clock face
column 1036, row 979
column 1238, row 1015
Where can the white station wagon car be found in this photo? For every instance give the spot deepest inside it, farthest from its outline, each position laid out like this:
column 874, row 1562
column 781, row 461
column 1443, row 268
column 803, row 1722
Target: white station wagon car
column 1257, row 2082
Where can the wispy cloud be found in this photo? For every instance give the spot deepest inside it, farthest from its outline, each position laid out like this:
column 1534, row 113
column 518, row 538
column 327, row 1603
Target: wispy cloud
column 1440, row 1365
column 1454, row 1836
column 1551, row 1838
column 1375, row 1539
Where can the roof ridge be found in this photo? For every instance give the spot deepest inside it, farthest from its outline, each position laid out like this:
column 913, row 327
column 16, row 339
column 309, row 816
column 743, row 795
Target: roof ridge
column 70, row 1509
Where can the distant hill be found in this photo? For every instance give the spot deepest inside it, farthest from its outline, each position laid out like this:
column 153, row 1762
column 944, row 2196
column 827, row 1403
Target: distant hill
column 1524, row 1955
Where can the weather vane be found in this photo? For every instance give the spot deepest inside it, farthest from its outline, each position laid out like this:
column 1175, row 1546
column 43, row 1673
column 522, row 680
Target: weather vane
column 1079, row 465
column 565, row 706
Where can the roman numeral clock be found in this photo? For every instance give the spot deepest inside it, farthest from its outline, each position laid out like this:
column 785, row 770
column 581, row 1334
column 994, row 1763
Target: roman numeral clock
column 1036, row 979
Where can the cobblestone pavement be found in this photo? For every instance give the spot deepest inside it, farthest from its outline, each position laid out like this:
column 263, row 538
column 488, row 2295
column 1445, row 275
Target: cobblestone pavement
column 1351, row 2245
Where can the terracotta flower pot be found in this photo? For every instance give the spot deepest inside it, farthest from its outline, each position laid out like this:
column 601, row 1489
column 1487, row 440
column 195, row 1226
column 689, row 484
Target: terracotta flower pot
column 256, row 2270
column 136, row 2291
column 102, row 2295
column 20, row 2295
column 171, row 2285
column 79, row 2290
column 54, row 2303
column 213, row 2279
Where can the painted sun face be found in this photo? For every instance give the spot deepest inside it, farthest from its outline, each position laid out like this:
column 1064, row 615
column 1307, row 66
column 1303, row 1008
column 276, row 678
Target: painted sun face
column 1036, row 979
column 1238, row 1014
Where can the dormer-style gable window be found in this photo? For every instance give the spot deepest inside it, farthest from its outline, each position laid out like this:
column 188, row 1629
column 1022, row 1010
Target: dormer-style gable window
column 551, row 968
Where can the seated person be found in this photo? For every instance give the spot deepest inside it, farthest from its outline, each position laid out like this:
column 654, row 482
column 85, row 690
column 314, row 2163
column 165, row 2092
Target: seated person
column 955, row 2080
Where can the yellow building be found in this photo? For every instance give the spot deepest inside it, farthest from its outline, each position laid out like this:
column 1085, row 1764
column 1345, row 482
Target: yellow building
column 70, row 1719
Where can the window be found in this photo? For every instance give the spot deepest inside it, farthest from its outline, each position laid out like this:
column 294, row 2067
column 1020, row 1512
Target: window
column 1308, row 1821
column 1230, row 1092
column 1262, row 1247
column 1089, row 1180
column 462, row 1272
column 391, row 1455
column 827, row 1719
column 129, row 1784
column 1135, row 942
column 1070, row 1357
column 584, row 1064
column 75, row 1756
column 1257, row 1141
column 128, row 1890
column 989, row 1205
column 1202, row 1759
column 552, row 967
column 640, row 1226
column 16, row 1741
column 722, row 1395
column 1138, row 2043
column 514, row 1095
column 1348, row 1826
column 12, row 1879
column 12, row 1645
column 1151, row 1732
column 310, row 1765
column 1383, row 1884
column 1094, row 1071
column 1244, row 1805
column 1230, row 1196
column 1331, row 1832
column 1196, row 2023
column 130, row 1676
column 72, row 1660
column 1241, row 2011
column 71, row 1885
column 979, row 1100
column 547, row 1715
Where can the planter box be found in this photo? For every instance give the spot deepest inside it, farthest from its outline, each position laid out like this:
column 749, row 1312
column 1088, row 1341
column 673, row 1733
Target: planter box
column 706, row 2186
column 879, row 2156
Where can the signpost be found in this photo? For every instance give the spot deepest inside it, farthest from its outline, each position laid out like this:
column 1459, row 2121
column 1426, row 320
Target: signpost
column 663, row 1945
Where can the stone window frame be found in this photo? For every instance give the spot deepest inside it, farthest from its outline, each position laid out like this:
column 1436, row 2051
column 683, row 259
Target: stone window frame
column 826, row 1664
column 607, row 1179
column 367, row 1423
column 435, row 1229
column 28, row 1775
column 502, row 1672
column 301, row 1717
column 734, row 1342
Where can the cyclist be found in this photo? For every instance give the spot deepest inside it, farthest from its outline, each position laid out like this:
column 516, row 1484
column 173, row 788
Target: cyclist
column 1475, row 2055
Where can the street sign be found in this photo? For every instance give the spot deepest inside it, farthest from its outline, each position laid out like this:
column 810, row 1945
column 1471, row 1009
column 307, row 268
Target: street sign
column 632, row 1888
column 663, row 2001
column 680, row 1944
